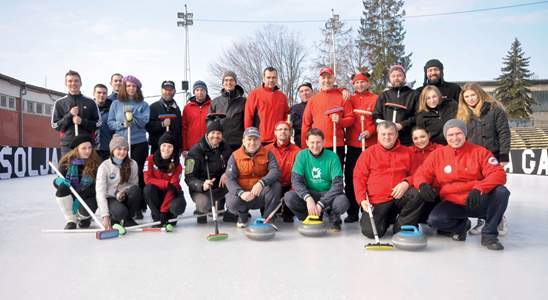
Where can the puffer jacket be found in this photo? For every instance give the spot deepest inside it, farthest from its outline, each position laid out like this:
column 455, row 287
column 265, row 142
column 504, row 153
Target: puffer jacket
column 491, row 130
column 108, row 183
column 233, row 105
column 433, row 119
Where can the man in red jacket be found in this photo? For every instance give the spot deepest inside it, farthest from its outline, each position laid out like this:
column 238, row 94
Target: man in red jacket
column 194, row 116
column 266, row 106
column 285, row 153
column 362, row 133
column 382, row 179
column 470, row 181
column 316, row 114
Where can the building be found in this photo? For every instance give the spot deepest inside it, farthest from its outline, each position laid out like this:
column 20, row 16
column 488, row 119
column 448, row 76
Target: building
column 25, row 114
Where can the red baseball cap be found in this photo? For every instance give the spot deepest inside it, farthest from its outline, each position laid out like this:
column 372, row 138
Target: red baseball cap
column 326, row 70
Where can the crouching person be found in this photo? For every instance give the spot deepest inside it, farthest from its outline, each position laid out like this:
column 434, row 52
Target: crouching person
column 209, row 154
column 117, row 188
column 162, row 173
column 381, row 180
column 317, row 181
column 79, row 167
column 471, row 184
column 252, row 178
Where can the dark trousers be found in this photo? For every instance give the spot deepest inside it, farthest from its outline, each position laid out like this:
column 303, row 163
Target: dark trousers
column 286, row 212
column 403, row 211
column 352, row 155
column 268, row 199
column 297, row 205
column 154, row 197
column 139, row 153
column 452, row 217
column 203, row 203
column 63, row 191
column 126, row 209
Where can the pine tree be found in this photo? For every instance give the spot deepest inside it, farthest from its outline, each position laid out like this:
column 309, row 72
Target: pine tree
column 381, row 34
column 513, row 83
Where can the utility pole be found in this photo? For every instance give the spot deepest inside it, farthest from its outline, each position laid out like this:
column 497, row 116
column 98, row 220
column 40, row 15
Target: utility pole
column 186, row 22
column 334, row 24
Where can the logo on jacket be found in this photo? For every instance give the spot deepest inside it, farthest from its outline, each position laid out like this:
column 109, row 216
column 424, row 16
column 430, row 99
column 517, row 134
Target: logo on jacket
column 447, row 169
column 493, row 161
column 112, row 176
column 145, row 167
column 316, row 173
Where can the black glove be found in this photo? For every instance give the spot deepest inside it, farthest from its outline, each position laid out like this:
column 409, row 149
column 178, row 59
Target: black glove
column 473, row 199
column 164, row 218
column 171, row 187
column 427, row 193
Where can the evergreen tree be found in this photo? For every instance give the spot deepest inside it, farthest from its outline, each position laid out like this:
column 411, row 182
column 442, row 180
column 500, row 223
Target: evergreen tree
column 513, row 83
column 381, row 34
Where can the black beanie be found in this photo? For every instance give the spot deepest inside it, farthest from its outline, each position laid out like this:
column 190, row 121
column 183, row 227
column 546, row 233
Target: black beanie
column 214, row 126
column 433, row 63
column 80, row 139
column 166, row 138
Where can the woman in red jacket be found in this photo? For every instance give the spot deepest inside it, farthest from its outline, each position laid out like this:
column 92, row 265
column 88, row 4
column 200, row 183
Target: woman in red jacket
column 421, row 147
column 162, row 173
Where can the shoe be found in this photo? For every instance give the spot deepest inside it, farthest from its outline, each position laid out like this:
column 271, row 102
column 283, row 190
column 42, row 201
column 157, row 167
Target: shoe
column 229, row 217
column 426, row 229
column 129, row 222
column 138, row 215
column 502, row 228
column 243, row 220
column 461, row 237
column 84, row 223
column 334, row 227
column 479, row 226
column 201, row 220
column 70, row 226
column 491, row 242
column 351, row 219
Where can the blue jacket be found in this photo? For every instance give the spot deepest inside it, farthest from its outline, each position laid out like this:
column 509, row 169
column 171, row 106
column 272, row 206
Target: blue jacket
column 116, row 119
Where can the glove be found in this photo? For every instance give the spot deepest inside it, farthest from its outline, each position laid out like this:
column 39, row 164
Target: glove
column 121, row 196
column 59, row 181
column 427, row 193
column 172, row 188
column 164, row 218
column 473, row 199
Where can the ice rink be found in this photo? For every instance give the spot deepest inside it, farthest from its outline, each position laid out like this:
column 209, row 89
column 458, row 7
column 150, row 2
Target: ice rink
column 185, row 265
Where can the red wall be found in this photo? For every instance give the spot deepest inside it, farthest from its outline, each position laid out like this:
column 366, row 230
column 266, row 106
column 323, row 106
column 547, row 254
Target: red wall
column 9, row 128
column 37, row 131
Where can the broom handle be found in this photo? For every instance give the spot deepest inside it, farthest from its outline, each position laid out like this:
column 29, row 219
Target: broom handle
column 362, row 119
column 79, row 198
column 129, row 140
column 335, row 137
column 373, row 226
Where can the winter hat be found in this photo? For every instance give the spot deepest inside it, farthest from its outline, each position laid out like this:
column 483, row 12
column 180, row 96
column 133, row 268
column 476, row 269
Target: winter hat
column 359, row 76
column 214, row 126
column 398, row 68
column 307, row 84
column 118, row 141
column 80, row 140
column 200, row 84
column 454, row 123
column 133, row 80
column 168, row 84
column 433, row 63
column 229, row 74
column 166, row 138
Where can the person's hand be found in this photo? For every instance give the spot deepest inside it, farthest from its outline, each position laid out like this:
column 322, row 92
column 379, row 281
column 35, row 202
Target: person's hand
column 364, row 135
column 398, row 126
column 166, row 122
column 164, row 218
column 427, row 193
column 473, row 199
column 208, row 183
column 76, row 120
column 171, row 187
column 106, row 222
column 247, row 196
column 222, row 181
column 59, row 181
column 312, row 207
column 185, row 154
column 345, row 94
column 257, row 189
column 121, row 196
column 399, row 189
column 335, row 118
column 365, row 206
column 74, row 111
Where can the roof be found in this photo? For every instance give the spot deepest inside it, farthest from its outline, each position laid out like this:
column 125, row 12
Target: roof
column 30, row 86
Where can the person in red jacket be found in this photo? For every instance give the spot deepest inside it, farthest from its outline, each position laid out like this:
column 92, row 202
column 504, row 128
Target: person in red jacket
column 284, row 152
column 363, row 104
column 266, row 106
column 162, row 173
column 194, row 116
column 316, row 113
column 470, row 182
column 382, row 179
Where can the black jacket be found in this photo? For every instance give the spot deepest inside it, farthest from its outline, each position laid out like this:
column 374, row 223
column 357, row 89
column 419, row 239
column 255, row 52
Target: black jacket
column 233, row 105
column 434, row 119
column 491, row 130
column 448, row 90
column 195, row 168
column 61, row 119
column 404, row 96
column 296, row 116
column 154, row 125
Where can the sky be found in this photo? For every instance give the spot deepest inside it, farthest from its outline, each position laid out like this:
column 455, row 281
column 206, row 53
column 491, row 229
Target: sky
column 43, row 39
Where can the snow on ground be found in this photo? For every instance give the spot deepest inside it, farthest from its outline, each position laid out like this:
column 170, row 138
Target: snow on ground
column 184, row 265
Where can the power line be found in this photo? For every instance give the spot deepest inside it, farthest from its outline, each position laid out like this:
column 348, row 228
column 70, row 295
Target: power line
column 357, row 20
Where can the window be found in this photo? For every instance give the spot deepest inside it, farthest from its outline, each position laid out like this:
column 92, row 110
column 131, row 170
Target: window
column 39, row 108
column 48, row 109
column 30, row 106
column 3, row 101
column 11, row 103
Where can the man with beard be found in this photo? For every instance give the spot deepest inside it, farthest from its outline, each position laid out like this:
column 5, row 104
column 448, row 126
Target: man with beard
column 433, row 75
column 157, row 124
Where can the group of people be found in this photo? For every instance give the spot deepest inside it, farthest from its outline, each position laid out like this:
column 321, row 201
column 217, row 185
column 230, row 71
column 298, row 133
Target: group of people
column 432, row 155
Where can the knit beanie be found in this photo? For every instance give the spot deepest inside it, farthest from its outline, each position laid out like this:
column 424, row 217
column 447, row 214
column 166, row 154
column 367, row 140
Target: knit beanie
column 397, row 68
column 166, row 138
column 229, row 74
column 199, row 84
column 118, row 141
column 80, row 140
column 454, row 123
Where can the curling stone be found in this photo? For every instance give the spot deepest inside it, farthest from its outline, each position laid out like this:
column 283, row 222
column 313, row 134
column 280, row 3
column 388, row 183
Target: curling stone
column 312, row 226
column 259, row 231
column 409, row 238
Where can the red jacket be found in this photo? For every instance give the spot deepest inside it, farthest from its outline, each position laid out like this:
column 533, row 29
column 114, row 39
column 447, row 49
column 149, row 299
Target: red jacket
column 161, row 180
column 285, row 156
column 362, row 101
column 379, row 170
column 458, row 171
column 265, row 107
column 314, row 116
column 194, row 122
column 419, row 155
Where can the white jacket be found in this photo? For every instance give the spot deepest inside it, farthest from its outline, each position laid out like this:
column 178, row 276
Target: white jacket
column 108, row 183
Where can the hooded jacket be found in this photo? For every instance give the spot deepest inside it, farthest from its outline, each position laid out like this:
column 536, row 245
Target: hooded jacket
column 232, row 104
column 195, row 164
column 491, row 130
column 194, row 121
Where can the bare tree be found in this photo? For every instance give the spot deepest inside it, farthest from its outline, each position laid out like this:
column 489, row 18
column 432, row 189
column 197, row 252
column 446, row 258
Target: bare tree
column 274, row 46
